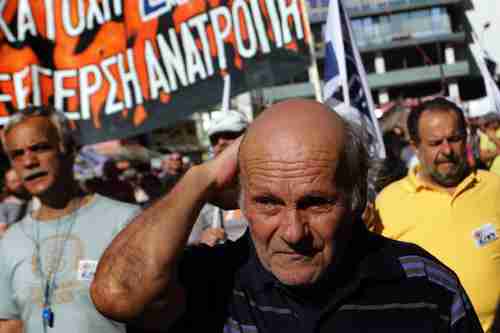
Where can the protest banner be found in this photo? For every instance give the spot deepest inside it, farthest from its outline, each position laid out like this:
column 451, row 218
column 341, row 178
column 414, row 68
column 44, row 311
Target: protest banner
column 124, row 67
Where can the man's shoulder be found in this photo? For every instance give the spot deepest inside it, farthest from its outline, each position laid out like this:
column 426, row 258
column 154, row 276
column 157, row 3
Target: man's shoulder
column 16, row 238
column 489, row 179
column 109, row 213
column 394, row 190
column 202, row 266
column 108, row 204
column 416, row 263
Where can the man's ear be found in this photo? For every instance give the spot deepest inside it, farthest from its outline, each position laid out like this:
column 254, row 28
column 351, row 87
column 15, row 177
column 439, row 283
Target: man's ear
column 414, row 146
column 65, row 151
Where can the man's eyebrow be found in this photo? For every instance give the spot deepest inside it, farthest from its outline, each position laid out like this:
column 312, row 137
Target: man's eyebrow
column 40, row 144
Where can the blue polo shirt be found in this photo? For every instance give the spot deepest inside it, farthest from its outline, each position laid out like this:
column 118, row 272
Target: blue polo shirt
column 380, row 285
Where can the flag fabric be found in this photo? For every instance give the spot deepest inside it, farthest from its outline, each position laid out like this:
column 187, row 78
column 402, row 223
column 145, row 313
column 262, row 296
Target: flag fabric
column 492, row 92
column 346, row 87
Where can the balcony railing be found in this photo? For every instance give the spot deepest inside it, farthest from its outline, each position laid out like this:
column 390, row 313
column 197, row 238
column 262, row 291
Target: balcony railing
column 389, row 28
column 375, row 7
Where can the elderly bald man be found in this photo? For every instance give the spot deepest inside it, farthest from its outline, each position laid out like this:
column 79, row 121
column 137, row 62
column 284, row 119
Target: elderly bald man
column 307, row 264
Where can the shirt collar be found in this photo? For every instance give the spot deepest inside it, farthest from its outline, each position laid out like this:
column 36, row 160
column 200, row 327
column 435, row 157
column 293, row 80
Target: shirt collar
column 365, row 259
column 417, row 184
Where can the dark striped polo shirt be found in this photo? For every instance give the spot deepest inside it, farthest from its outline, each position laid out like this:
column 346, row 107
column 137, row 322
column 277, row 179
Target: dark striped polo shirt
column 380, row 285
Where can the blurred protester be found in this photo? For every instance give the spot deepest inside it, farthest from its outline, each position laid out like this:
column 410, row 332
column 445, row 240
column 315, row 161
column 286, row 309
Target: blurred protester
column 149, row 187
column 110, row 185
column 393, row 167
column 474, row 154
column 490, row 142
column 14, row 200
column 215, row 225
column 173, row 166
column 307, row 264
column 446, row 207
column 48, row 259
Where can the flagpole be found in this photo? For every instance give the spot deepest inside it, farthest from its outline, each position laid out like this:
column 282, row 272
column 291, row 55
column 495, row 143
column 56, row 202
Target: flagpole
column 346, row 84
column 226, row 93
column 492, row 91
column 313, row 68
column 217, row 217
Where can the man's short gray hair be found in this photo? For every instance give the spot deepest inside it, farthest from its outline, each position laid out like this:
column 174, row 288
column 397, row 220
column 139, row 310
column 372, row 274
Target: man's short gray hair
column 352, row 170
column 56, row 118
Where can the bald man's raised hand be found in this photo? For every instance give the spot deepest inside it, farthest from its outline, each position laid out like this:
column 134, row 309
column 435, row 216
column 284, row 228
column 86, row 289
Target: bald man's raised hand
column 223, row 170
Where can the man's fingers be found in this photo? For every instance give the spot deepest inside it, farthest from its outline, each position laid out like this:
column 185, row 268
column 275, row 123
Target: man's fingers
column 212, row 236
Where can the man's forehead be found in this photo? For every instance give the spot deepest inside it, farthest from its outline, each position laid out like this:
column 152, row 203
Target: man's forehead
column 444, row 120
column 37, row 127
column 437, row 115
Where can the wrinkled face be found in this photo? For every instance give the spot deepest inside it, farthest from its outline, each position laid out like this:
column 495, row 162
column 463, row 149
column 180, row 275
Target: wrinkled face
column 442, row 150
column 34, row 151
column 294, row 209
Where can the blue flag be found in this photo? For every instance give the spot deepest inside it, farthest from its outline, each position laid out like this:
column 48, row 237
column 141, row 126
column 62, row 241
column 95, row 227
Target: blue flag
column 346, row 87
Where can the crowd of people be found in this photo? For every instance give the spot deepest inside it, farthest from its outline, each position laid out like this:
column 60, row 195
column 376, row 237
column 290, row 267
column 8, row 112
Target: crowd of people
column 275, row 233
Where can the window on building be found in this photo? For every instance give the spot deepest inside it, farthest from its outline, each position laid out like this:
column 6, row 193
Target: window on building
column 404, row 25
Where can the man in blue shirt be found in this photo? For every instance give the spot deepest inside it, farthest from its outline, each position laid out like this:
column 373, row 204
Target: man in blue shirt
column 307, row 263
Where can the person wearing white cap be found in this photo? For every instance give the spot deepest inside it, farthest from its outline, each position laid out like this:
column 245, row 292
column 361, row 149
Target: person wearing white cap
column 215, row 225
column 224, row 128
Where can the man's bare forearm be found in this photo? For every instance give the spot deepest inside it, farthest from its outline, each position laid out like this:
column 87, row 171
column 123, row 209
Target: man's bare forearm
column 138, row 266
column 11, row 326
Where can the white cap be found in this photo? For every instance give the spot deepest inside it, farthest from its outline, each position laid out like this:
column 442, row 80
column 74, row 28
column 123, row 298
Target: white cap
column 480, row 107
column 227, row 121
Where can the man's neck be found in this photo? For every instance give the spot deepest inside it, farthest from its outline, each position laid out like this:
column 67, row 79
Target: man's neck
column 53, row 207
column 11, row 198
column 428, row 180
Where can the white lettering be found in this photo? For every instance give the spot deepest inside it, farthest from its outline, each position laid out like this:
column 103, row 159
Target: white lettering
column 260, row 26
column 117, row 7
column 199, row 23
column 49, row 19
column 87, row 89
column 94, row 14
column 106, row 10
column 275, row 22
column 111, row 107
column 66, row 16
column 194, row 63
column 35, row 77
column 157, row 79
column 221, row 13
column 293, row 11
column 5, row 97
column 241, row 6
column 20, row 89
column 129, row 77
column 25, row 21
column 173, row 59
column 3, row 26
column 61, row 93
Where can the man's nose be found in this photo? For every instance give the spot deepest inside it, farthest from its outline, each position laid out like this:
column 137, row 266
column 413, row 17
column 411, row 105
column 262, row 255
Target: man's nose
column 446, row 147
column 30, row 159
column 295, row 229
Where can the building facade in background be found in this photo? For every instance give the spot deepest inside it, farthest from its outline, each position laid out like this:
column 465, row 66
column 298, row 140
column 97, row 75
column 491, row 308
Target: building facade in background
column 410, row 48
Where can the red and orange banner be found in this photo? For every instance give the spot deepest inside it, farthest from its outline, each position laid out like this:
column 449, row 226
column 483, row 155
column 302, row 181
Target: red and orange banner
column 124, row 67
